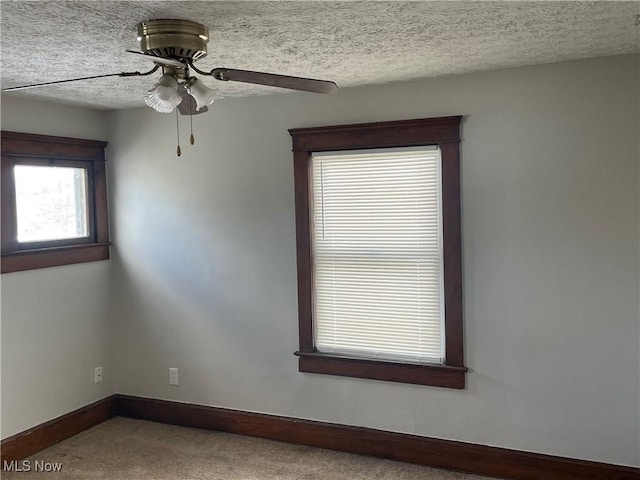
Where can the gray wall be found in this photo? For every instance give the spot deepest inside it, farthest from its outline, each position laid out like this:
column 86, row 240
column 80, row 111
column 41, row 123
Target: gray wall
column 205, row 271
column 54, row 320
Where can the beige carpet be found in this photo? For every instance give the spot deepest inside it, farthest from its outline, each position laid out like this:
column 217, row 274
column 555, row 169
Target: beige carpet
column 123, row 448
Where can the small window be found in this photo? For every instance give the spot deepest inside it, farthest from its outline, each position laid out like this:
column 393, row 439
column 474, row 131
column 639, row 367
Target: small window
column 54, row 201
column 379, row 251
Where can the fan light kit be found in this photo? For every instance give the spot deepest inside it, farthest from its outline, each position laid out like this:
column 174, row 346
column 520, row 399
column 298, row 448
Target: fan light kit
column 174, row 46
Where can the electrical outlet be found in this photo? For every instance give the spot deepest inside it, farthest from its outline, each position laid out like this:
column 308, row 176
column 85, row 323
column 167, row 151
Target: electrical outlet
column 173, row 376
column 97, row 375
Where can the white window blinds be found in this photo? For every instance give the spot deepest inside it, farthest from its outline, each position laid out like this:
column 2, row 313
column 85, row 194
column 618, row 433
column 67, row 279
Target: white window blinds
column 377, row 248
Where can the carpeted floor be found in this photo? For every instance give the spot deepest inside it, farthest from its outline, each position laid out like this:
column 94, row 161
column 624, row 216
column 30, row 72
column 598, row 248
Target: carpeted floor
column 122, row 448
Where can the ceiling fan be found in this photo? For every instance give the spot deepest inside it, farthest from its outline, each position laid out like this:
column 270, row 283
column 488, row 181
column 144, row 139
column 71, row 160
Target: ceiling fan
column 174, row 46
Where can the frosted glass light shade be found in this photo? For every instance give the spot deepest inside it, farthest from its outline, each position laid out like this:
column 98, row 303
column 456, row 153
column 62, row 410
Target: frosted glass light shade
column 202, row 94
column 164, row 96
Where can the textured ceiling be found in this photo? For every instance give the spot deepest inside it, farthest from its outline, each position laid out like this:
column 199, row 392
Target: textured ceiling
column 351, row 43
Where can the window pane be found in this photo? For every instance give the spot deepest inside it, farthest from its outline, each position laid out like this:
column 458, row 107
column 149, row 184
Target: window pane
column 378, row 254
column 51, row 203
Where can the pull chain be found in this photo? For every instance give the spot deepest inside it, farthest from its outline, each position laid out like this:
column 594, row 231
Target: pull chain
column 192, row 139
column 178, row 151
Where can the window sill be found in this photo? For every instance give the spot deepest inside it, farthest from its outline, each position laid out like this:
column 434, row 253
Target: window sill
column 20, row 260
column 419, row 374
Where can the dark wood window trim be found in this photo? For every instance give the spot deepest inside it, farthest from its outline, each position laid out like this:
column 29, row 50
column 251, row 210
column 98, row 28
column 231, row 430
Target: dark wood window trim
column 444, row 132
column 23, row 148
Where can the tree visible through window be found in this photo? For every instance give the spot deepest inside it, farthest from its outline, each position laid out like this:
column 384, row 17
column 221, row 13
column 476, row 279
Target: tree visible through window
column 378, row 239
column 51, row 203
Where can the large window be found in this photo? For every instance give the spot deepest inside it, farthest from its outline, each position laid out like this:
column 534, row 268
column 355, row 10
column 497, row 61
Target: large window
column 378, row 240
column 54, row 209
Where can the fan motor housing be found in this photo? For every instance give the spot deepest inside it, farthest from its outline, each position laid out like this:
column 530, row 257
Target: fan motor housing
column 168, row 38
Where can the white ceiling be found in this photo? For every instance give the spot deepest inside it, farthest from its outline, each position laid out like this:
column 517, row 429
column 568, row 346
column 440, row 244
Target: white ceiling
column 351, row 43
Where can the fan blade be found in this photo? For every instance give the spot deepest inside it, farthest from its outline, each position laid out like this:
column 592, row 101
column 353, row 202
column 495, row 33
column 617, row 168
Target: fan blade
column 170, row 62
column 273, row 80
column 55, row 82
column 188, row 104
column 24, row 87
